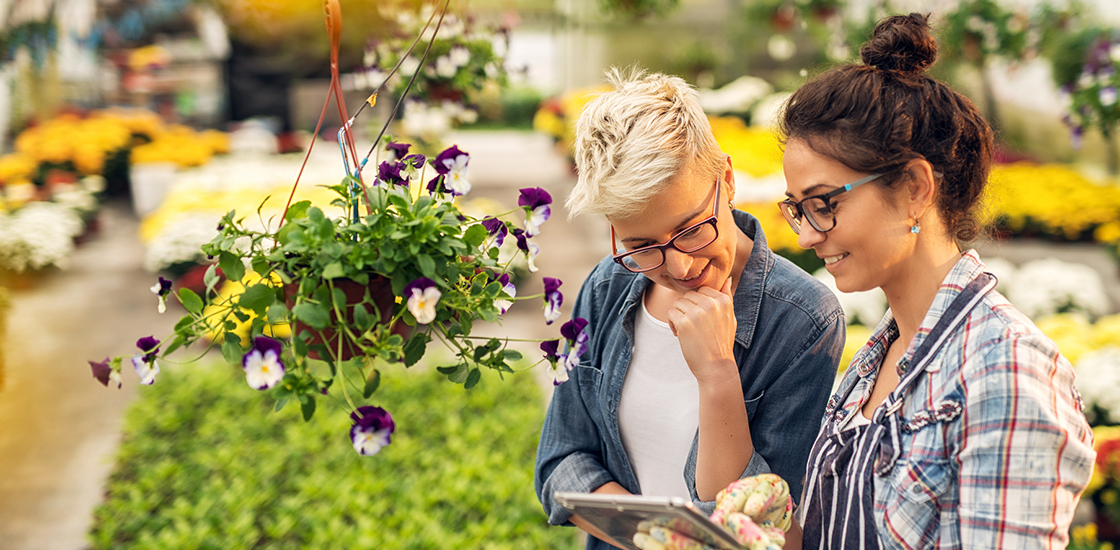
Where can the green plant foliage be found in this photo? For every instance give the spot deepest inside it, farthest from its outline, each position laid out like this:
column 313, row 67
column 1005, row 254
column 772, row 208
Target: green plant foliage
column 205, row 465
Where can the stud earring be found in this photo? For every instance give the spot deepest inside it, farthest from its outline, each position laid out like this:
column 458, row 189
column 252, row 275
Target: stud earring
column 731, row 204
column 916, row 228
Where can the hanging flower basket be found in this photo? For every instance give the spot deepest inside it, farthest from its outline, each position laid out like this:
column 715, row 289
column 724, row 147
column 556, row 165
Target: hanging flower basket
column 366, row 285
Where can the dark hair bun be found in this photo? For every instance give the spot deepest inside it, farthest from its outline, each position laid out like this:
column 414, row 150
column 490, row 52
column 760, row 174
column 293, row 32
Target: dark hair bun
column 901, row 43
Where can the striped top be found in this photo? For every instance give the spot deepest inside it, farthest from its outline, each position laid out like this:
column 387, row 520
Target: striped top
column 994, row 449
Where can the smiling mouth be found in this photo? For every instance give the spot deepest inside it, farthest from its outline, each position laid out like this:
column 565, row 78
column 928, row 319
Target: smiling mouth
column 833, row 259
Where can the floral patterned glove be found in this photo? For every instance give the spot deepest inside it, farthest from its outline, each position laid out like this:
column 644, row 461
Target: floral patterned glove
column 756, row 510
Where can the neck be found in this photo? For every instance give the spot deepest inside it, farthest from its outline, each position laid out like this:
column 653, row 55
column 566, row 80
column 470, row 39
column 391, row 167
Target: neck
column 911, row 291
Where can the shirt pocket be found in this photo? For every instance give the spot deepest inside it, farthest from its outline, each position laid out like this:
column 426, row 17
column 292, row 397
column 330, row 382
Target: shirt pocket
column 590, row 384
column 752, row 405
column 913, row 507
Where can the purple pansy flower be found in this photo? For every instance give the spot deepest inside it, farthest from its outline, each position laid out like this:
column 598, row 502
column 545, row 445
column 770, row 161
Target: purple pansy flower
column 552, row 299
column 390, row 173
column 497, row 229
column 556, row 372
column 452, row 165
column 372, row 429
column 508, row 288
column 530, row 249
column 421, row 296
column 536, row 203
column 145, row 364
column 397, row 151
column 574, row 331
column 263, row 368
column 411, row 166
column 161, row 289
column 104, row 373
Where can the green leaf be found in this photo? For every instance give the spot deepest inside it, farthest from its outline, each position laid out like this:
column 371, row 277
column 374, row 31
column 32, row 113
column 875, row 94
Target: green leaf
column 231, row 266
column 333, row 271
column 460, row 374
column 511, row 355
column 211, row 277
column 414, row 348
column 174, row 345
column 372, row 383
column 231, row 351
column 260, row 265
column 277, row 313
column 472, row 378
column 258, row 297
column 280, row 404
column 427, row 266
column 190, row 300
column 307, row 406
column 314, row 315
column 298, row 210
column 475, row 236
column 449, row 370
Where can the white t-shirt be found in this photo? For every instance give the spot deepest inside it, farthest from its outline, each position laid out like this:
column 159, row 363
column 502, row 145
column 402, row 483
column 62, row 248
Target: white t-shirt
column 659, row 411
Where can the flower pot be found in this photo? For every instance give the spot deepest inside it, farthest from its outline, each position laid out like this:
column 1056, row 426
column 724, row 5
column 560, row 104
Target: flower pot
column 380, row 290
column 149, row 184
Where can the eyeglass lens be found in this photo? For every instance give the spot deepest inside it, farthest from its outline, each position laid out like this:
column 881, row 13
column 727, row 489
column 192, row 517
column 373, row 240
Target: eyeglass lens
column 815, row 209
column 691, row 240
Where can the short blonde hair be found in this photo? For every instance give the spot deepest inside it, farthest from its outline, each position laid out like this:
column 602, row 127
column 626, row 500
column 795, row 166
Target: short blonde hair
column 631, row 141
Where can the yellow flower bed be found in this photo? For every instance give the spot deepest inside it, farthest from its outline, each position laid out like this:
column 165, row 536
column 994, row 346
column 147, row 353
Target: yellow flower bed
column 1076, row 336
column 1055, row 198
column 557, row 116
column 86, row 142
column 184, row 200
column 755, row 151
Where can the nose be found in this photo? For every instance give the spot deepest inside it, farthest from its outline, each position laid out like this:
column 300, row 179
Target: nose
column 677, row 263
column 809, row 236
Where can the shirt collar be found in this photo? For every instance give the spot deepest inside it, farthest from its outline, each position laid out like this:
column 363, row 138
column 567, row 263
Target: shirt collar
column 870, row 356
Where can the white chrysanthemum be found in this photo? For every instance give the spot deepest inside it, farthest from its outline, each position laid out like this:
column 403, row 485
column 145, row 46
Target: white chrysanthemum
column 180, row 241
column 1047, row 286
column 39, row 235
column 1098, row 380
column 865, row 307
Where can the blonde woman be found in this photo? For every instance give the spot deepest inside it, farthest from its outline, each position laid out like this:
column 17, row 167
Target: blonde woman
column 710, row 358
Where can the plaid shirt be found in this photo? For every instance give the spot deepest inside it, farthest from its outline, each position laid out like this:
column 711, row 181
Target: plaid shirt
column 995, row 449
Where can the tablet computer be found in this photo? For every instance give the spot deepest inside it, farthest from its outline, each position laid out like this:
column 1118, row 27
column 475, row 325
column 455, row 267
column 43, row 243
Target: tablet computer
column 620, row 516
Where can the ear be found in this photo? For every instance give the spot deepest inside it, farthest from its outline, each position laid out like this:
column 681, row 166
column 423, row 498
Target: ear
column 728, row 177
column 921, row 187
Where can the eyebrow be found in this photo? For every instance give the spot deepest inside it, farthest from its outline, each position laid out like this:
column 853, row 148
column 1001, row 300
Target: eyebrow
column 685, row 222
column 815, row 190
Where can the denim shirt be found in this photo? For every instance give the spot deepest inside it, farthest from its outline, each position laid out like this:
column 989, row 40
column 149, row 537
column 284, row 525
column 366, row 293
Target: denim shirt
column 994, row 449
column 788, row 342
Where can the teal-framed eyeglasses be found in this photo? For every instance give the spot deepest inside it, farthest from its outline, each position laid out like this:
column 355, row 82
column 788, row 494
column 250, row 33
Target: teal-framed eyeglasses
column 818, row 208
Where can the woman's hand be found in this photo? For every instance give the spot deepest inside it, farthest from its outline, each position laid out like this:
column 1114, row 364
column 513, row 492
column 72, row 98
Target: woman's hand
column 704, row 322
column 757, row 510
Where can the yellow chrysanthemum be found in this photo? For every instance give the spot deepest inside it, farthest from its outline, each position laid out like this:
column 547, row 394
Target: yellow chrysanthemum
column 16, row 167
column 755, row 151
column 1070, row 331
column 1056, row 196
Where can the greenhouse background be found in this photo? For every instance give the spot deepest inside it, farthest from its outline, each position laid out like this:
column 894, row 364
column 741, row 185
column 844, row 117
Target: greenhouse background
column 128, row 128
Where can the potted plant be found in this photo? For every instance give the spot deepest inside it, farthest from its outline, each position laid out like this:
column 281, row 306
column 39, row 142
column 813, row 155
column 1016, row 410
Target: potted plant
column 332, row 298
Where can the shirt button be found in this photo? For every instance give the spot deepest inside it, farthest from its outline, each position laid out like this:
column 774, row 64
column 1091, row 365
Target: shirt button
column 915, row 489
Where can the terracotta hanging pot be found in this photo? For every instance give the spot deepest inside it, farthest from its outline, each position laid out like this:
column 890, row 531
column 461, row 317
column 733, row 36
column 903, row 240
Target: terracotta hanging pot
column 380, row 291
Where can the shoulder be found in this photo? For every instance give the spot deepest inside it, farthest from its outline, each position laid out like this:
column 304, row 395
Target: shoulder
column 996, row 335
column 790, row 288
